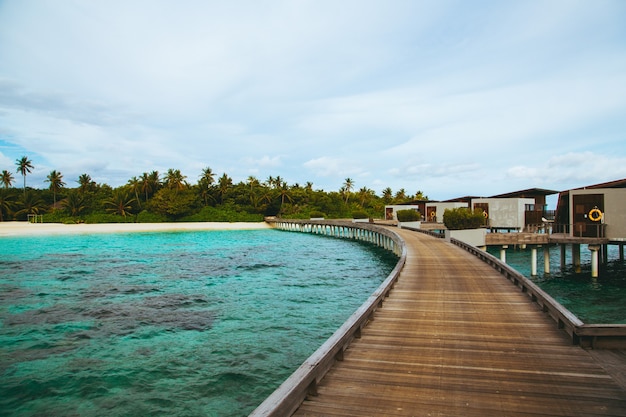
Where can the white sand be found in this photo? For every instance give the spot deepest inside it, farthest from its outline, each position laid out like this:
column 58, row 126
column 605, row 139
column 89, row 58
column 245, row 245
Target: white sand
column 27, row 229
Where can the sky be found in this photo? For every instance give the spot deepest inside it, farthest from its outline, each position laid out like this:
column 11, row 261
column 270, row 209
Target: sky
column 452, row 98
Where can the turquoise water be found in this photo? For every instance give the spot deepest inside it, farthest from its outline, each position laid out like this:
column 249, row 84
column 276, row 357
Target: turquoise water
column 599, row 300
column 176, row 324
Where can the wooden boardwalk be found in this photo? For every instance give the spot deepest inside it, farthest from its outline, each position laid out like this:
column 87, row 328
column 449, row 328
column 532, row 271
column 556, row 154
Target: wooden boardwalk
column 455, row 338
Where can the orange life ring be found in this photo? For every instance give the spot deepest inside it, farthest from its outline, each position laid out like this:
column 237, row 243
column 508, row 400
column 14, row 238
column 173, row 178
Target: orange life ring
column 485, row 214
column 595, row 215
column 433, row 214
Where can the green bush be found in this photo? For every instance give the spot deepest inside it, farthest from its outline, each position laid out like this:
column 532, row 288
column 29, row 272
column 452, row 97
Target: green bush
column 227, row 213
column 317, row 214
column 409, row 215
column 107, row 218
column 360, row 215
column 463, row 218
column 149, row 217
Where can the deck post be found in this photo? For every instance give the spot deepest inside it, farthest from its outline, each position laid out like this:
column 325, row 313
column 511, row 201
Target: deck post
column 576, row 257
column 621, row 252
column 546, row 259
column 533, row 260
column 594, row 260
column 563, row 253
column 503, row 249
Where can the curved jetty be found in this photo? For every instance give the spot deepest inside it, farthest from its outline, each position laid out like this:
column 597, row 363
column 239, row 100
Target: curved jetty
column 455, row 338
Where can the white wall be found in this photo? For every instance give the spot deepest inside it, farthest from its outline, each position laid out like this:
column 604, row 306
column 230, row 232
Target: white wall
column 506, row 212
column 396, row 208
column 440, row 208
column 614, row 209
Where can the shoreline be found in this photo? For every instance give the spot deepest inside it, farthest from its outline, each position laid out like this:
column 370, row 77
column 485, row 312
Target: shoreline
column 31, row 229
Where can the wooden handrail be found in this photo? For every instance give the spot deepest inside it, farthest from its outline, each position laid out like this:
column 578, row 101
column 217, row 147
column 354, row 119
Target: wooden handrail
column 597, row 336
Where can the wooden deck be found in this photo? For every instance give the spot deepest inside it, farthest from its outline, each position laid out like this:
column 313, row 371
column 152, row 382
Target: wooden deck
column 455, row 338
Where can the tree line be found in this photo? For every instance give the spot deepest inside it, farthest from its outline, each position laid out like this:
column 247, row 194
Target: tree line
column 156, row 197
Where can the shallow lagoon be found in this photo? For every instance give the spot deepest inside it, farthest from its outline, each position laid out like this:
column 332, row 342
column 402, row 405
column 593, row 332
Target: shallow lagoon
column 177, row 324
column 593, row 300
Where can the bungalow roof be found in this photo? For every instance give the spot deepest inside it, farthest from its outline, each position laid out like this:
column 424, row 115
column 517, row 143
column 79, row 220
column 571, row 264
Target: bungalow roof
column 611, row 184
column 525, row 193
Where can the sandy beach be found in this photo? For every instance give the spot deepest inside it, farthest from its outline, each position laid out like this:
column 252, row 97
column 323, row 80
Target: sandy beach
column 29, row 229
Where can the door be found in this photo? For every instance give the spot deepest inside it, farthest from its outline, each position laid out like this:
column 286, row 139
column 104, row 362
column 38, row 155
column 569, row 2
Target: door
column 587, row 222
column 485, row 208
column 431, row 214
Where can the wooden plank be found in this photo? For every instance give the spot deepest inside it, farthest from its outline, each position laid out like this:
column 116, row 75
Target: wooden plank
column 456, row 338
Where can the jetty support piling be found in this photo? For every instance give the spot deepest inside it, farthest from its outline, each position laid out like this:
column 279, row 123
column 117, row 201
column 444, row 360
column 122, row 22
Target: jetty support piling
column 546, row 259
column 533, row 261
column 594, row 260
column 576, row 257
column 503, row 249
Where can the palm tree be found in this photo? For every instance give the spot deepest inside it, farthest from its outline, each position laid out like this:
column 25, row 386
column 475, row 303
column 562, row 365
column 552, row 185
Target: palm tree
column 175, row 180
column 206, row 179
column 7, row 202
column 135, row 185
column 75, row 203
column 284, row 194
column 401, row 196
column 254, row 198
column 7, row 178
column 31, row 204
column 145, row 184
column 155, row 181
column 419, row 195
column 387, row 195
column 347, row 186
column 365, row 195
column 204, row 184
column 85, row 183
column 120, row 203
column 253, row 182
column 55, row 178
column 224, row 183
column 24, row 166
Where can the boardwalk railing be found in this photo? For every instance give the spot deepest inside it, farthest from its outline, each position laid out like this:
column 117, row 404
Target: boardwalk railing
column 288, row 397
column 581, row 229
column 599, row 336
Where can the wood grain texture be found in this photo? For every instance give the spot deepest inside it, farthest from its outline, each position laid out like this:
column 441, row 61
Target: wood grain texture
column 455, row 338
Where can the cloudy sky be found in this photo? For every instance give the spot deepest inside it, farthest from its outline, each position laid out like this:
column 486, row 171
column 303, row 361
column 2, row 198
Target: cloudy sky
column 449, row 97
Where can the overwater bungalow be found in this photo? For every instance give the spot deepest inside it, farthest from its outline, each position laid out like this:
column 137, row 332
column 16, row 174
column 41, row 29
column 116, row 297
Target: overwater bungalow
column 391, row 211
column 515, row 211
column 593, row 211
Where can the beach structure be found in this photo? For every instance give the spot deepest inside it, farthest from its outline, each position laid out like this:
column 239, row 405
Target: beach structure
column 435, row 209
column 593, row 211
column 510, row 212
column 391, row 211
column 593, row 215
column 516, row 211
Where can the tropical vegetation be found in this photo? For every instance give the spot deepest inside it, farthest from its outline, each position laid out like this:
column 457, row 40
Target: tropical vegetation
column 155, row 197
column 463, row 218
column 408, row 215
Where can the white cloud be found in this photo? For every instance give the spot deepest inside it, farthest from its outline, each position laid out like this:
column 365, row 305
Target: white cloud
column 338, row 168
column 575, row 169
